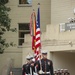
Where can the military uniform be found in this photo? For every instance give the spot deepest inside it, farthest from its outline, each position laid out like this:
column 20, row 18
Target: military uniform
column 44, row 66
column 66, row 72
column 55, row 72
column 26, row 67
column 59, row 72
column 62, row 72
column 32, row 65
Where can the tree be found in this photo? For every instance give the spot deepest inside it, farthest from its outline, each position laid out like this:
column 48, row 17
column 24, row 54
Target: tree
column 4, row 25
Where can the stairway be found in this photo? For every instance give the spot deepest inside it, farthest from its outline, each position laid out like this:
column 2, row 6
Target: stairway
column 17, row 71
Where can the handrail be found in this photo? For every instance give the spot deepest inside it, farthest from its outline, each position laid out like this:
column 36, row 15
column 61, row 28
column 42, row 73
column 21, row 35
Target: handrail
column 7, row 67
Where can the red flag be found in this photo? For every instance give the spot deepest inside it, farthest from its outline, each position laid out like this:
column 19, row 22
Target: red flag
column 33, row 29
column 33, row 24
column 33, row 43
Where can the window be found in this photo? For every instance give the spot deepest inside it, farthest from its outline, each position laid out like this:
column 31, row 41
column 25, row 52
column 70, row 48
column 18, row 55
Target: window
column 25, row 1
column 23, row 29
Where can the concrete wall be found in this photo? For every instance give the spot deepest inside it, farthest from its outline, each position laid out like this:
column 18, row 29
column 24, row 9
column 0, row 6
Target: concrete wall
column 53, row 32
column 16, row 56
column 22, row 14
column 64, row 60
column 26, row 51
column 61, row 10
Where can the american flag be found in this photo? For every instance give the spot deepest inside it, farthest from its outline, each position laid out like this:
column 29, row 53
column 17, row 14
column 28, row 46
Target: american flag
column 38, row 36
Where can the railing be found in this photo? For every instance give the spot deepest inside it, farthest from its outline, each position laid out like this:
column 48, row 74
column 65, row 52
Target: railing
column 7, row 67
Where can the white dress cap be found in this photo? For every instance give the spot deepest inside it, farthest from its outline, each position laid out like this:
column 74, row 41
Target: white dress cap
column 31, row 56
column 44, row 51
column 28, row 57
column 61, row 69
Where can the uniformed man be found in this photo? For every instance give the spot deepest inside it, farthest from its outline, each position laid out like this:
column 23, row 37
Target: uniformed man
column 62, row 71
column 66, row 72
column 32, row 68
column 44, row 65
column 55, row 72
column 26, row 67
column 58, row 72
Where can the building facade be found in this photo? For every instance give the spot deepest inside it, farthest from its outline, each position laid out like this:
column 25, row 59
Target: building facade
column 55, row 38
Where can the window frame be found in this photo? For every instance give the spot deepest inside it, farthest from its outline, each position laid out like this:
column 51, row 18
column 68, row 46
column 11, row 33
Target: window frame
column 26, row 31
column 25, row 4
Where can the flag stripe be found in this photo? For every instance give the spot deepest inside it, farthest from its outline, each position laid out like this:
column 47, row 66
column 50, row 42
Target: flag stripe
column 38, row 35
column 37, row 39
column 37, row 43
column 38, row 29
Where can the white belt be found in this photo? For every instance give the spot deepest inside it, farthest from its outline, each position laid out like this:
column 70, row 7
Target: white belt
column 35, row 73
column 45, row 73
column 27, row 74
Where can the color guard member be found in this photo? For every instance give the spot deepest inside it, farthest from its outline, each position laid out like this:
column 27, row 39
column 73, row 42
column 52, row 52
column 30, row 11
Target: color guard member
column 44, row 65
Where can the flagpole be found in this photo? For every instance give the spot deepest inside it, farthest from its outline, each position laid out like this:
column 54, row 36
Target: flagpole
column 40, row 41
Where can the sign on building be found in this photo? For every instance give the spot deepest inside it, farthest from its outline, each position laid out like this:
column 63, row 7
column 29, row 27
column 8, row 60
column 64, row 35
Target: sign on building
column 67, row 26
